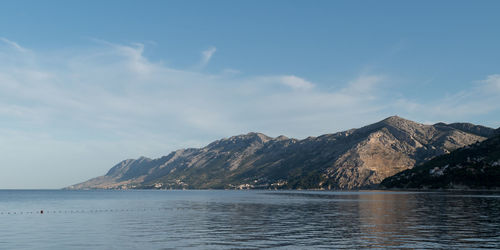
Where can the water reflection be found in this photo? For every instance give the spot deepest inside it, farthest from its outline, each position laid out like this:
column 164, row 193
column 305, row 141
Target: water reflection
column 257, row 219
column 347, row 220
column 393, row 219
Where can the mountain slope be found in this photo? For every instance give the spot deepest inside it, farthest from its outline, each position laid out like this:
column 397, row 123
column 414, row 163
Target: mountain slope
column 355, row 158
column 474, row 166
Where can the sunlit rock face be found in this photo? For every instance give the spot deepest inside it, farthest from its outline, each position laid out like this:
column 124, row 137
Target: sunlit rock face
column 476, row 166
column 357, row 158
column 395, row 144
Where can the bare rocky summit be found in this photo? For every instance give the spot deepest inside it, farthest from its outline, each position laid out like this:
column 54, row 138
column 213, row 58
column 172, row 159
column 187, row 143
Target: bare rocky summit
column 352, row 159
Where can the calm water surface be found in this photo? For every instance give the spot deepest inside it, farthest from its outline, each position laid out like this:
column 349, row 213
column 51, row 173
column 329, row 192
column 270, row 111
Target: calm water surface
column 247, row 219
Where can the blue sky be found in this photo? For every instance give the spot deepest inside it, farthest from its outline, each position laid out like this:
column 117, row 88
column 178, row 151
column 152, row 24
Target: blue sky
column 85, row 84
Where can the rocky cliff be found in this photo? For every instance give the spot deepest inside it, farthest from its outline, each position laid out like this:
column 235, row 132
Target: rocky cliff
column 476, row 166
column 356, row 158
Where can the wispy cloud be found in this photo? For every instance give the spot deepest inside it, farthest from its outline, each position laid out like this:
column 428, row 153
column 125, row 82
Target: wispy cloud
column 364, row 84
column 480, row 99
column 206, row 56
column 13, row 44
column 491, row 83
column 296, row 82
column 121, row 90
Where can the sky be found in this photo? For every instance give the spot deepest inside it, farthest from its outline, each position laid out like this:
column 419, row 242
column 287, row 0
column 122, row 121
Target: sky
column 86, row 84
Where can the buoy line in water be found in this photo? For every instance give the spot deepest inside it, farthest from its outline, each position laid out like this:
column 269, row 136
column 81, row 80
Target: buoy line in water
column 84, row 211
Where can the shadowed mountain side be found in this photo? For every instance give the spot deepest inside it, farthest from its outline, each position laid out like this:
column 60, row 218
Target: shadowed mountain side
column 475, row 166
column 355, row 158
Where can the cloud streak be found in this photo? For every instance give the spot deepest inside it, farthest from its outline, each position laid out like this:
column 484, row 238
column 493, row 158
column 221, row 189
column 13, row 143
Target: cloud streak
column 13, row 44
column 296, row 82
column 206, row 56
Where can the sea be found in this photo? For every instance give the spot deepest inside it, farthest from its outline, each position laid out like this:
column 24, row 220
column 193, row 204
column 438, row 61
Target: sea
column 247, row 219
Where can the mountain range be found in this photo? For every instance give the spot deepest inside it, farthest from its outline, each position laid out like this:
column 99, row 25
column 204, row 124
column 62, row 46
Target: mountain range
column 352, row 159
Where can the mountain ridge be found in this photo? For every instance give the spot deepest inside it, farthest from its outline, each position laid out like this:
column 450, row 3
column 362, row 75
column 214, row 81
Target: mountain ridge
column 350, row 159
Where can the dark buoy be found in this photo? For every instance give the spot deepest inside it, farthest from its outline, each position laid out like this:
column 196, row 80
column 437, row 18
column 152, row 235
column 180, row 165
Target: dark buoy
column 41, row 211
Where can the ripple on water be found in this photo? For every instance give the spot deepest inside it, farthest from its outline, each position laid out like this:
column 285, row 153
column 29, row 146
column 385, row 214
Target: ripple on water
column 247, row 219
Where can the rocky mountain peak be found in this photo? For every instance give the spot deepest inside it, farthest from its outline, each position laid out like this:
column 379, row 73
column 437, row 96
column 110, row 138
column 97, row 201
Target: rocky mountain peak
column 239, row 141
column 401, row 123
column 395, row 119
column 281, row 138
column 250, row 137
column 402, row 129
